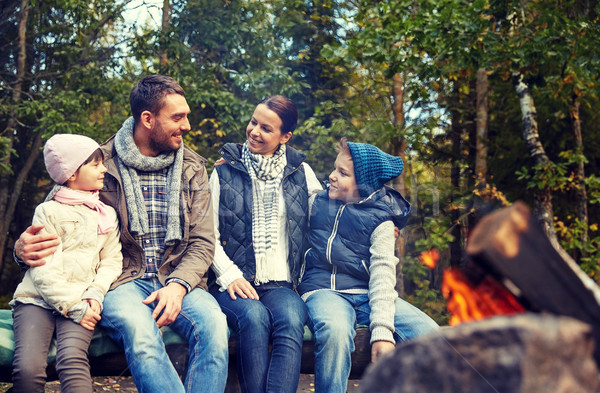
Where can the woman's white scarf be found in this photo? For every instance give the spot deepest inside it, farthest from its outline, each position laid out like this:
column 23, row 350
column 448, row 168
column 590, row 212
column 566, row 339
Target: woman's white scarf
column 265, row 207
column 130, row 160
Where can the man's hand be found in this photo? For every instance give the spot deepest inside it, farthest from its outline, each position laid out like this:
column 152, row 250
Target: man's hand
column 243, row 288
column 90, row 319
column 169, row 300
column 32, row 247
column 379, row 348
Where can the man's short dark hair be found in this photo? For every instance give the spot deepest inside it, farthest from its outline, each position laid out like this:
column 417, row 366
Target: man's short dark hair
column 149, row 93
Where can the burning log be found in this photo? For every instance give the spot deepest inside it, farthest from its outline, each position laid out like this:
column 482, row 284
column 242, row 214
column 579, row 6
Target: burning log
column 550, row 343
column 511, row 246
column 525, row 353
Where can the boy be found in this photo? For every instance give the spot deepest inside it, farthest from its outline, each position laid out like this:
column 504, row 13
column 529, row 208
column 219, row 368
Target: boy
column 66, row 294
column 350, row 267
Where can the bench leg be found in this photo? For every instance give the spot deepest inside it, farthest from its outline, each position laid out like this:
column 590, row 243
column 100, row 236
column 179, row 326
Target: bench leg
column 233, row 382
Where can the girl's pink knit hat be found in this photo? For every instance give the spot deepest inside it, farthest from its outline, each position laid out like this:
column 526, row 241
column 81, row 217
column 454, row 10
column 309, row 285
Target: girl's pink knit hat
column 64, row 154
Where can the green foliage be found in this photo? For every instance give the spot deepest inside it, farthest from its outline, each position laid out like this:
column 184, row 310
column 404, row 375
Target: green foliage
column 559, row 176
column 569, row 232
column 68, row 86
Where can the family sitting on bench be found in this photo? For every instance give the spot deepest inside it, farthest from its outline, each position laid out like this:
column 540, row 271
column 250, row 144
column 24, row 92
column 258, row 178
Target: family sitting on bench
column 260, row 248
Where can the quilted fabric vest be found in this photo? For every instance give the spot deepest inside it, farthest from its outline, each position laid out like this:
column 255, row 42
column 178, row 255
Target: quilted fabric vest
column 235, row 210
column 339, row 239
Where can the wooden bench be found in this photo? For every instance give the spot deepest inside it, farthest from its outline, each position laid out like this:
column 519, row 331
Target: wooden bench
column 107, row 358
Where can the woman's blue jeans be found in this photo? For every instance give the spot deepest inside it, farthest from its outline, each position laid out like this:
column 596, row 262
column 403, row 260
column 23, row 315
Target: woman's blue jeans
column 277, row 318
column 129, row 322
column 333, row 320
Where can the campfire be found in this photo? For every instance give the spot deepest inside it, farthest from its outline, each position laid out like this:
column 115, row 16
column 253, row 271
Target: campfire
column 524, row 319
column 467, row 302
column 511, row 268
column 472, row 299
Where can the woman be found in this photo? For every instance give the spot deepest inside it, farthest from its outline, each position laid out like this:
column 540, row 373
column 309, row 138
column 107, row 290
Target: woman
column 260, row 198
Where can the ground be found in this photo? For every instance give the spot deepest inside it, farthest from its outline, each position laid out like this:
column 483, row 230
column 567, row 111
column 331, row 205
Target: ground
column 125, row 384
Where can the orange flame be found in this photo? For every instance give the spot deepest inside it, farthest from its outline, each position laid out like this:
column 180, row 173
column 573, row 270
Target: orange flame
column 466, row 302
column 430, row 258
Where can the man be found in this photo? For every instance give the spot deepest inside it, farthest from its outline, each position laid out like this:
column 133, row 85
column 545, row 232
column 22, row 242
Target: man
column 159, row 188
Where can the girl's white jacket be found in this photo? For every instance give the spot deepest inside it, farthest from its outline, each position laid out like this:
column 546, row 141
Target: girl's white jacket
column 83, row 266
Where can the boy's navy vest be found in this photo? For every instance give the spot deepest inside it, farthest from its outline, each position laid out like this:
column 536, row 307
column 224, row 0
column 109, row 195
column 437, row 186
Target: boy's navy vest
column 339, row 239
column 235, row 210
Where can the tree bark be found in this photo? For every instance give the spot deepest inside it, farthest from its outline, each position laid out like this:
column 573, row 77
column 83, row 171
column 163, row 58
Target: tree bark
column 482, row 88
column 399, row 149
column 7, row 208
column 580, row 191
column 456, row 139
column 542, row 208
column 399, row 142
column 166, row 21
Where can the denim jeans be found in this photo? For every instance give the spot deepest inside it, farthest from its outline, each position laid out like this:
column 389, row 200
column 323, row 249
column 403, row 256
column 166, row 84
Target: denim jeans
column 34, row 327
column 279, row 318
column 333, row 320
column 129, row 322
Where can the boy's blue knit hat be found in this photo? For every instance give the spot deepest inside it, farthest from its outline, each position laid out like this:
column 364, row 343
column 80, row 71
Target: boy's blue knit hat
column 372, row 167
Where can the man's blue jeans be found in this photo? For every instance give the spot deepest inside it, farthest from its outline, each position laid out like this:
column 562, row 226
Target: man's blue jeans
column 333, row 320
column 279, row 318
column 129, row 322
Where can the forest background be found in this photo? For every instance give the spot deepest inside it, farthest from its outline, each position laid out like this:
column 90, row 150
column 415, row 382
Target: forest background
column 487, row 101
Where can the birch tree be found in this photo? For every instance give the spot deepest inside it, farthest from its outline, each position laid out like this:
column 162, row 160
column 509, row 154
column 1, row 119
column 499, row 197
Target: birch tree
column 543, row 194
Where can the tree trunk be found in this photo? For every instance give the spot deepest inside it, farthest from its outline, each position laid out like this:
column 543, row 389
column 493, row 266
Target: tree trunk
column 7, row 208
column 542, row 208
column 580, row 191
column 399, row 142
column 456, row 138
column 480, row 197
column 399, row 149
column 166, row 20
column 482, row 88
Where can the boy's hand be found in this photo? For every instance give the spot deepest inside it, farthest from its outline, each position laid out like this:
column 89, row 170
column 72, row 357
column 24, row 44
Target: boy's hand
column 220, row 161
column 242, row 288
column 90, row 319
column 94, row 305
column 32, row 247
column 379, row 348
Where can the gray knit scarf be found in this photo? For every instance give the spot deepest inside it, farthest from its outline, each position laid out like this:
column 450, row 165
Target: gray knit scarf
column 265, row 207
column 130, row 160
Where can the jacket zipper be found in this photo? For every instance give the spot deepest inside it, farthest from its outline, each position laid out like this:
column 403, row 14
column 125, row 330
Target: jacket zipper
column 334, row 232
column 288, row 228
column 330, row 244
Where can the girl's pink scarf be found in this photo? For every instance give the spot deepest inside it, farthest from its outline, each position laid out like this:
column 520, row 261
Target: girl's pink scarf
column 90, row 199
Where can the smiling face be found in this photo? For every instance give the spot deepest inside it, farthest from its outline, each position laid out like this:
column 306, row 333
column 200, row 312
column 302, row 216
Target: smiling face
column 165, row 129
column 264, row 131
column 89, row 177
column 342, row 181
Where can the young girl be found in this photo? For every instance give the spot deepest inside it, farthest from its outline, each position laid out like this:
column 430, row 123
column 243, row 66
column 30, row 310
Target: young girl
column 65, row 295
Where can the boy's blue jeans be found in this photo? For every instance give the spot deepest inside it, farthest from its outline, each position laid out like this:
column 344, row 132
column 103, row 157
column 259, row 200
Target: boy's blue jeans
column 277, row 318
column 129, row 322
column 333, row 320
